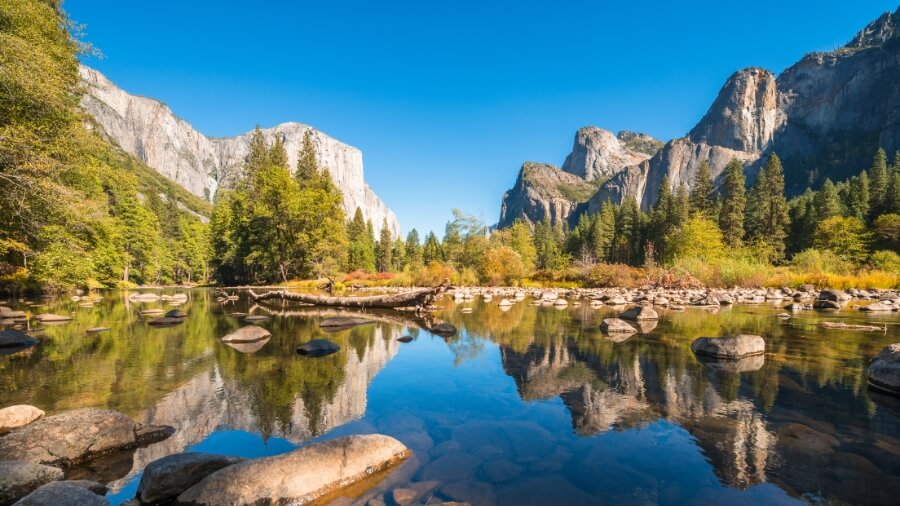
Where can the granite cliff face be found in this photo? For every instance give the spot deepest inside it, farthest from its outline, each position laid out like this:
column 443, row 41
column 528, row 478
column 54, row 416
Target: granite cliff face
column 825, row 116
column 150, row 131
column 546, row 190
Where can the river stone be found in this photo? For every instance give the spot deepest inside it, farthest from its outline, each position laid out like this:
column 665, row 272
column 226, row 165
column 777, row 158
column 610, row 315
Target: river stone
column 615, row 325
column 96, row 330
column 318, row 348
column 336, row 323
column 17, row 416
column 176, row 313
column 405, row 339
column 879, row 306
column 165, row 321
column 52, row 318
column 14, row 339
column 746, row 364
column 247, row 334
column 19, row 478
column 169, row 476
column 884, row 371
column 638, row 313
column 93, row 486
column 443, row 329
column 300, row 476
column 730, row 347
column 826, row 304
column 75, row 436
column 62, row 493
column 834, row 295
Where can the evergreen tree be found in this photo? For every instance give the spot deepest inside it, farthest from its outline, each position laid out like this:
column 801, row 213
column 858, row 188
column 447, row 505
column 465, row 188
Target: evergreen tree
column 767, row 214
column 548, row 241
column 627, row 241
column 385, row 248
column 414, row 248
column 858, row 196
column 879, row 180
column 604, row 232
column 682, row 207
column 703, row 196
column 307, row 164
column 731, row 213
column 257, row 156
column 398, row 255
column 891, row 203
column 431, row 251
column 361, row 255
column 826, row 201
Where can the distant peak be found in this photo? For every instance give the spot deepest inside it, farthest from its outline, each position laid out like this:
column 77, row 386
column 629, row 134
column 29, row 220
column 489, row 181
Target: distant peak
column 877, row 32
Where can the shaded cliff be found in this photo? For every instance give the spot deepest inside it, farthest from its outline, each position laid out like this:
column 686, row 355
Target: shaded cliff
column 150, row 131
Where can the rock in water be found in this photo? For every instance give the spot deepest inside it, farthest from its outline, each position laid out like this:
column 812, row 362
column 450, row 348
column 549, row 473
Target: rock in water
column 256, row 318
column 15, row 339
column 318, row 348
column 443, row 329
column 884, row 371
column 300, row 476
column 638, row 313
column 176, row 313
column 247, row 334
column 729, row 347
column 96, row 330
column 19, row 478
column 63, row 493
column 18, row 416
column 882, row 305
column 336, row 323
column 405, row 339
column 616, row 326
column 745, row 364
column 165, row 321
column 76, row 436
column 168, row 477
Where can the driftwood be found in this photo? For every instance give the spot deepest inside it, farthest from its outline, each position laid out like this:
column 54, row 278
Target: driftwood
column 848, row 326
column 418, row 298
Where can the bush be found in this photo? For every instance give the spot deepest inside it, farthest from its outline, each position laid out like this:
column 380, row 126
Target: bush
column 614, row 275
column 502, row 265
column 886, row 260
column 814, row 261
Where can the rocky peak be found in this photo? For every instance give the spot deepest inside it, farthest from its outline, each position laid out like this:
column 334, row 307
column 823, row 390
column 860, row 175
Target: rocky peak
column 151, row 132
column 543, row 190
column 877, row 32
column 640, row 142
column 744, row 115
column 598, row 153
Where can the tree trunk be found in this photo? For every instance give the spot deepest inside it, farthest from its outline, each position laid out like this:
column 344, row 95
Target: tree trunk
column 419, row 297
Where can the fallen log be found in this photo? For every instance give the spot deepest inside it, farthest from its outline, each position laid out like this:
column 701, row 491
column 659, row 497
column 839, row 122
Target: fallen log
column 419, row 298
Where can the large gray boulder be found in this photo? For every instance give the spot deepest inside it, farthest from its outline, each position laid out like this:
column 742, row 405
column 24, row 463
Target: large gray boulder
column 616, row 326
column 76, row 436
column 729, row 347
column 318, row 348
column 300, row 476
column 247, row 334
column 63, row 493
column 884, row 371
column 19, row 415
column 638, row 313
column 834, row 295
column 19, row 478
column 169, row 476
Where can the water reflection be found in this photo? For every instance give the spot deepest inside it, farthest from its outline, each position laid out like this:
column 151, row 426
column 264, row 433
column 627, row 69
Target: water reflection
column 524, row 398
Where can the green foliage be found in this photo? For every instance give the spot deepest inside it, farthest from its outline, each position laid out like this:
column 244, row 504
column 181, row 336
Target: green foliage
column 698, row 237
column 887, row 231
column 361, row 255
column 548, row 242
column 731, row 214
column 821, row 261
column 886, row 260
column 385, row 247
column 767, row 216
column 502, row 265
column 703, row 192
column 846, row 237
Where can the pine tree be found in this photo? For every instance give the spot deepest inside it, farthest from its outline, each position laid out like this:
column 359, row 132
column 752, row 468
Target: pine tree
column 858, row 196
column 257, row 156
column 879, row 180
column 398, row 255
column 277, row 153
column 604, row 232
column 431, row 251
column 307, row 172
column 682, row 207
column 703, row 197
column 767, row 213
column 731, row 214
column 548, row 245
column 361, row 255
column 385, row 248
column 414, row 248
column 891, row 203
column 826, row 201
column 627, row 242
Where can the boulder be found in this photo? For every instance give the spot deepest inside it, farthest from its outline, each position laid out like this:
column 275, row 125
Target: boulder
column 834, row 295
column 443, row 329
column 19, row 478
column 729, row 347
column 616, row 301
column 169, row 476
column 93, row 486
column 638, row 313
column 15, row 339
column 165, row 321
column 336, row 323
column 247, row 334
column 300, row 476
column 882, row 305
column 18, row 416
column 318, row 348
column 884, row 371
column 176, row 313
column 826, row 304
column 505, row 303
column 76, row 436
column 63, row 493
column 745, row 364
column 615, row 326
column 405, row 339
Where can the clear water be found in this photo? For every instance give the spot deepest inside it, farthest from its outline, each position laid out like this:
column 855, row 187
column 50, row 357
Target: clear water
column 527, row 406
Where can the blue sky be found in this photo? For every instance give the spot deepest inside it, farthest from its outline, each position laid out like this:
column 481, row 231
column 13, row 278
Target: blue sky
column 447, row 99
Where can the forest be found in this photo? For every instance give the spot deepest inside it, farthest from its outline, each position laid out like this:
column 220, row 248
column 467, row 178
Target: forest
column 77, row 212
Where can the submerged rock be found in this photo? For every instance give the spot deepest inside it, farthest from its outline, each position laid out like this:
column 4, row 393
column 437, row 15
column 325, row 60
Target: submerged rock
column 76, row 436
column 247, row 334
column 169, row 476
column 15, row 339
column 405, row 339
column 729, row 347
column 884, row 371
column 882, row 305
column 165, row 321
column 638, row 313
column 176, row 313
column 616, row 326
column 18, row 416
column 300, row 476
column 63, row 493
column 19, row 478
column 746, row 364
column 443, row 329
column 336, row 323
column 318, row 348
